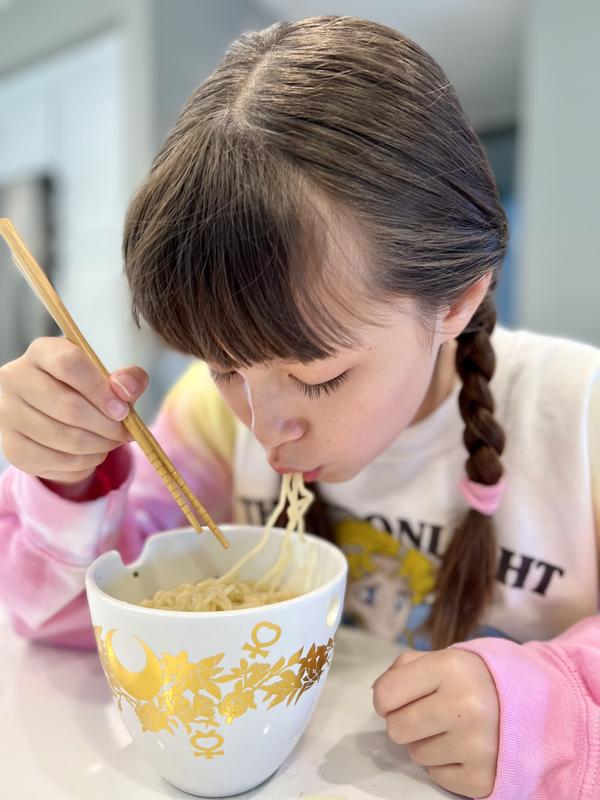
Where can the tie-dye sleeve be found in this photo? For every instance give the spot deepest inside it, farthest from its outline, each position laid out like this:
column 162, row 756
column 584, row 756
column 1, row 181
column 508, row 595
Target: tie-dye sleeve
column 47, row 542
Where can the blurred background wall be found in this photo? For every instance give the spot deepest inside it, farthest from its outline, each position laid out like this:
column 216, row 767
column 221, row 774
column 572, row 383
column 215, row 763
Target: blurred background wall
column 89, row 90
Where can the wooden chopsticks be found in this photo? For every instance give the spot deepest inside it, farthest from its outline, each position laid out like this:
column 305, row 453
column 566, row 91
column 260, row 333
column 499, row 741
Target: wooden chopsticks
column 37, row 279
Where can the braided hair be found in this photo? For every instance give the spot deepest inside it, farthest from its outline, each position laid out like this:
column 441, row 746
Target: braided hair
column 465, row 580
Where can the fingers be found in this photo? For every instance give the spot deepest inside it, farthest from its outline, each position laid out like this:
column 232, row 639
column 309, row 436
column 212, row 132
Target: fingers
column 420, row 719
column 407, row 656
column 129, row 383
column 59, row 416
column 53, row 434
column 45, row 462
column 68, row 364
column 444, row 707
column 433, row 751
column 408, row 679
column 44, row 393
column 459, row 764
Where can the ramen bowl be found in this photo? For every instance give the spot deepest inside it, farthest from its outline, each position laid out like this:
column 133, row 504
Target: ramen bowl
column 216, row 700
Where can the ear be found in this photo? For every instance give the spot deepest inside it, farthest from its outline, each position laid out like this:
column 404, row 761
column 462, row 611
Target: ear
column 455, row 318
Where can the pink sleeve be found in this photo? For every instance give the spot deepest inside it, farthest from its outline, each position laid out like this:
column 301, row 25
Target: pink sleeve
column 549, row 714
column 47, row 542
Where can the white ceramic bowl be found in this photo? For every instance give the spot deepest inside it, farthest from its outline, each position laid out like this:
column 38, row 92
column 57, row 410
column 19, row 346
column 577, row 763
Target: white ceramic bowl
column 215, row 700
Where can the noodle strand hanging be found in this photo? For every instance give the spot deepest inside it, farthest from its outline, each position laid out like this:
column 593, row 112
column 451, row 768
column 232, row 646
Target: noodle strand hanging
column 228, row 592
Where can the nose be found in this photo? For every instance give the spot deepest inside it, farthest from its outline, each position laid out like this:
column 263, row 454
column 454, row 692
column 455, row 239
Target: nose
column 271, row 422
column 272, row 431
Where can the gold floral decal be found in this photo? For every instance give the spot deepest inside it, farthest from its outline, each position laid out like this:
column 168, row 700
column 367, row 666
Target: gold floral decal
column 171, row 691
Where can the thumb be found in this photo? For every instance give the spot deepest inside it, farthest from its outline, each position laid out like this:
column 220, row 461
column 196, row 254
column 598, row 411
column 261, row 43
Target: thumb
column 129, row 383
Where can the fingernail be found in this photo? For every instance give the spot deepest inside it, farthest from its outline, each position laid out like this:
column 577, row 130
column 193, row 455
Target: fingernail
column 117, row 409
column 127, row 383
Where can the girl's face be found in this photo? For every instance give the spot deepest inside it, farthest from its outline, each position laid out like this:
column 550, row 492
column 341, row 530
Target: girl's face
column 328, row 419
column 381, row 601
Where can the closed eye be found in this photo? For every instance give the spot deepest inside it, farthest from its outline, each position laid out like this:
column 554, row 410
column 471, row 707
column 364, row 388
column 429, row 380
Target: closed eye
column 315, row 390
column 311, row 390
column 223, row 377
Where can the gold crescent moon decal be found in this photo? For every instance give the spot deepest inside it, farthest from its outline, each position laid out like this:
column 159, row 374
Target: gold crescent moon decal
column 143, row 685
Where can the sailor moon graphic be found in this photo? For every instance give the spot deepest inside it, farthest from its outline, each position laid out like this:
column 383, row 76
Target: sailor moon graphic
column 389, row 586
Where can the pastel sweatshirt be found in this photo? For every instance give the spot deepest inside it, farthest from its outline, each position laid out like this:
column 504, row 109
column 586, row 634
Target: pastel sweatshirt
column 540, row 638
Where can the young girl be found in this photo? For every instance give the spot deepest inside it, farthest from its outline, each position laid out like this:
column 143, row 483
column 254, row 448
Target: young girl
column 321, row 228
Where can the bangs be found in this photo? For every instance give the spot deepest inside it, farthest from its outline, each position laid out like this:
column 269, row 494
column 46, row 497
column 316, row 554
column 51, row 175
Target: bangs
column 229, row 256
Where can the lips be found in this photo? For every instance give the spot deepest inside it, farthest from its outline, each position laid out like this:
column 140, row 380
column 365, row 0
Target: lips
column 312, row 475
column 308, row 475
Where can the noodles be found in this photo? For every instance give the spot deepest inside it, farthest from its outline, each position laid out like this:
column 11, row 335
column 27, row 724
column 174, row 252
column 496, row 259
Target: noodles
column 228, row 592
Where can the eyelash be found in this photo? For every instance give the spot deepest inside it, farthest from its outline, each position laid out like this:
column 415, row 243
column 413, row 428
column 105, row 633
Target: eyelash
column 310, row 390
column 316, row 390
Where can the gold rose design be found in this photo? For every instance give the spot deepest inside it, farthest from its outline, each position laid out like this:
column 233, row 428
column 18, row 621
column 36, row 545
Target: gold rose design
column 171, row 691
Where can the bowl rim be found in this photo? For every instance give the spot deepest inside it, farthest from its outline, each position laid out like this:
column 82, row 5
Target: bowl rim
column 92, row 586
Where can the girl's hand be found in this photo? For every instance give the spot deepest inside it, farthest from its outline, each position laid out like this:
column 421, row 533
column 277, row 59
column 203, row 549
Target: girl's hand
column 59, row 417
column 444, row 707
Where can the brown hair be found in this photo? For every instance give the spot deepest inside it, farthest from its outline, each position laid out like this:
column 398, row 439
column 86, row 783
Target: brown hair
column 226, row 243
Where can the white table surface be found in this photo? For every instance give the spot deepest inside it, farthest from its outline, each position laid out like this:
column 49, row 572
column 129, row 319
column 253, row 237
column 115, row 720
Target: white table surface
column 61, row 737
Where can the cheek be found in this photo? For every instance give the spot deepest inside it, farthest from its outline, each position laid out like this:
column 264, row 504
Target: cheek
column 371, row 421
column 377, row 424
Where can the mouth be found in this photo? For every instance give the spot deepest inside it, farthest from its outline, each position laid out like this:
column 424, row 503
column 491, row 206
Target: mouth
column 307, row 475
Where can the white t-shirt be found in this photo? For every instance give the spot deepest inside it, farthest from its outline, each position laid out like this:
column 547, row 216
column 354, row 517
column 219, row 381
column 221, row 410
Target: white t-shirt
column 395, row 518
